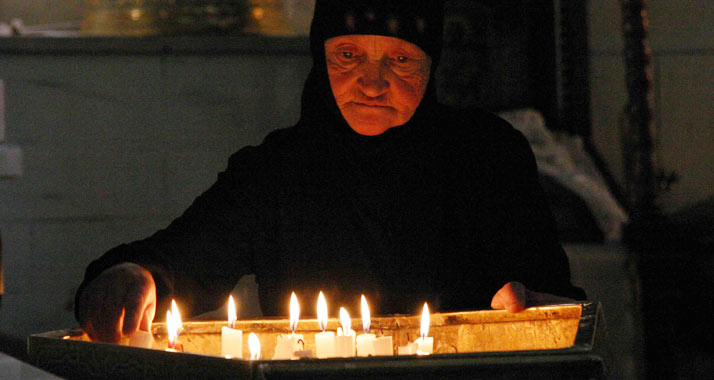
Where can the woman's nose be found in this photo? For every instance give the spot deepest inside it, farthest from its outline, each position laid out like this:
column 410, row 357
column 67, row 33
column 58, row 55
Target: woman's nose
column 373, row 81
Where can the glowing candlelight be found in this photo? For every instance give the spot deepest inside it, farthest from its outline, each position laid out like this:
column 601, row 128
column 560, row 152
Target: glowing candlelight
column 294, row 312
column 425, row 343
column 231, row 339
column 325, row 340
column 174, row 327
column 254, row 346
column 290, row 346
column 322, row 311
column 232, row 315
column 365, row 342
column 366, row 317
column 345, row 339
column 345, row 322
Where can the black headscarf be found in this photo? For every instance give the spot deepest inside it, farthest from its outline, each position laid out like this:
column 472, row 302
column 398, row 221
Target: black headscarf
column 417, row 21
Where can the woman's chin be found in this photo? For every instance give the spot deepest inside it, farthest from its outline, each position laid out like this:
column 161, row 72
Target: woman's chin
column 369, row 126
column 370, row 130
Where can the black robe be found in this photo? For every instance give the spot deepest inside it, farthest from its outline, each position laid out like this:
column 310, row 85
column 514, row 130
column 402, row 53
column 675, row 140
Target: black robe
column 445, row 209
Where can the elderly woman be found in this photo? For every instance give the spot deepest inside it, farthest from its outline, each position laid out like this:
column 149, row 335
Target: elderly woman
column 378, row 190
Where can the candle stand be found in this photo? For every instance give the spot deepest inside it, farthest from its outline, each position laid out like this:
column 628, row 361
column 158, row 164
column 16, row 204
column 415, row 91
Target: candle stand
column 550, row 342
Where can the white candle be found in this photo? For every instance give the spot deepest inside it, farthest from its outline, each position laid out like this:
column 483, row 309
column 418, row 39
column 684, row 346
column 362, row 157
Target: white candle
column 288, row 344
column 365, row 345
column 324, row 341
column 231, row 342
column 365, row 342
column 325, row 344
column 409, row 349
column 425, row 344
column 345, row 339
column 383, row 346
column 231, row 339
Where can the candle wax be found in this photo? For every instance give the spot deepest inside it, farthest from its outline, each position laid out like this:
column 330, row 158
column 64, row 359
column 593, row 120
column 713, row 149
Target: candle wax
column 231, row 342
column 383, row 346
column 325, row 344
column 365, row 345
column 287, row 345
column 302, row 354
column 425, row 345
column 409, row 349
column 345, row 343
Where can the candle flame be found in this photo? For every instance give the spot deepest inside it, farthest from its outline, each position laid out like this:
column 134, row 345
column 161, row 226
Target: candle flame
column 294, row 312
column 366, row 317
column 345, row 321
column 322, row 311
column 232, row 315
column 254, row 346
column 424, row 321
column 170, row 329
column 173, row 324
column 176, row 315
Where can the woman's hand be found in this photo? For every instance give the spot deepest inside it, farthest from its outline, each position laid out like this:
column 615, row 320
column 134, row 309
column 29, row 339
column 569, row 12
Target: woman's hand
column 514, row 298
column 120, row 301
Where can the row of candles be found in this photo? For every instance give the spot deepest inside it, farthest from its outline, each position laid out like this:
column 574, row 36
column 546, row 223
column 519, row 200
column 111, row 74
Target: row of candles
column 345, row 343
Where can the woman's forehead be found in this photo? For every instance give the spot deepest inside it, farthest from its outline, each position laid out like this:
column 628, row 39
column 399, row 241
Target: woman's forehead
column 371, row 40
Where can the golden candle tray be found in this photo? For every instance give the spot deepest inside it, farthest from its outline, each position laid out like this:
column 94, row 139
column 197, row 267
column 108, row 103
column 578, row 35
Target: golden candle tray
column 549, row 342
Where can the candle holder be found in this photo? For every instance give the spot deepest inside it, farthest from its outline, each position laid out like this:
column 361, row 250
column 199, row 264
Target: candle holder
column 542, row 341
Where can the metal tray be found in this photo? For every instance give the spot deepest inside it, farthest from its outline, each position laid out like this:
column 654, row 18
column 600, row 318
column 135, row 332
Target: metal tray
column 551, row 342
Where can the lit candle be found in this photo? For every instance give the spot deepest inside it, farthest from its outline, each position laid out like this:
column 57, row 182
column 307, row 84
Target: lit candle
column 365, row 342
column 231, row 339
column 345, row 339
column 425, row 344
column 174, row 327
column 254, row 346
column 290, row 346
column 325, row 340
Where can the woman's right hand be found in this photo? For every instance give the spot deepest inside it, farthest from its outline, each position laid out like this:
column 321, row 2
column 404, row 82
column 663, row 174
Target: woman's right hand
column 120, row 301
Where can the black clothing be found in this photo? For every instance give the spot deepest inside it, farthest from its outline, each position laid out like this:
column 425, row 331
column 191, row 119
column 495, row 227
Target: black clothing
column 445, row 209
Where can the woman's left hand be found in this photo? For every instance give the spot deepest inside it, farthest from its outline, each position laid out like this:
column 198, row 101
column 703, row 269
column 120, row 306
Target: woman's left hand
column 514, row 297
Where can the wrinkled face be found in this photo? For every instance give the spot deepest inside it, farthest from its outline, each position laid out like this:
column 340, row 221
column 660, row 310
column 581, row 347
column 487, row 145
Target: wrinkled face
column 377, row 81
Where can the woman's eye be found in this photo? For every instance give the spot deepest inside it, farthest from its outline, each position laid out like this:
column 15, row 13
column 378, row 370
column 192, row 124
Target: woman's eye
column 402, row 59
column 347, row 54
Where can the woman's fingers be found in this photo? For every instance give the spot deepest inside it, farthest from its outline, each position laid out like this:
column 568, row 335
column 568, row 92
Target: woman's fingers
column 139, row 301
column 511, row 297
column 515, row 297
column 118, row 302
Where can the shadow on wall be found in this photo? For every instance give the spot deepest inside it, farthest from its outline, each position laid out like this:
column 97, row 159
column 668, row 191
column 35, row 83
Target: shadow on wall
column 41, row 12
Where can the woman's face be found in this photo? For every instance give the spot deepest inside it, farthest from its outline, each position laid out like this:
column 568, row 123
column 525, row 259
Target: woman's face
column 377, row 81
